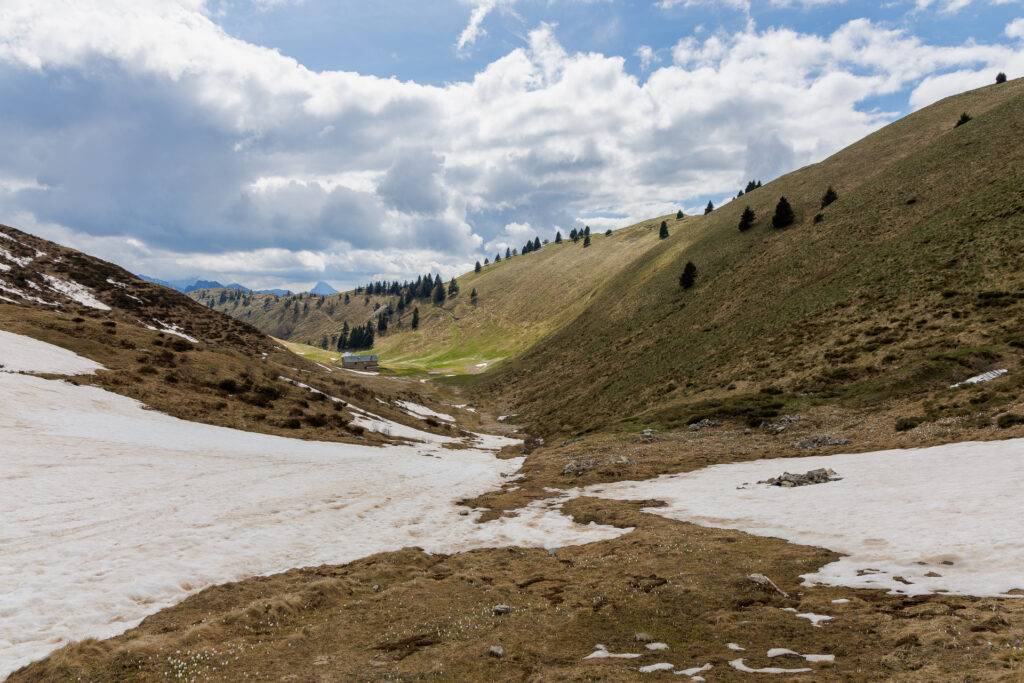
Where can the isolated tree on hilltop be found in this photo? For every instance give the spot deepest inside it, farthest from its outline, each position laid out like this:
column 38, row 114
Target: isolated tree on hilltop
column 746, row 219
column 688, row 276
column 783, row 214
column 679, row 215
column 415, row 318
column 663, row 232
column 558, row 237
column 608, row 232
column 829, row 197
column 1001, row 77
column 508, row 253
column 709, row 208
column 478, row 268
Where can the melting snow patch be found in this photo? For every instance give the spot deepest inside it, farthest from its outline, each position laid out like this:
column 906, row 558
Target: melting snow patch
column 656, row 646
column 740, row 666
column 19, row 353
column 841, row 601
column 21, row 261
column 4, row 267
column 423, row 411
column 170, row 329
column 959, row 514
column 120, row 285
column 362, row 372
column 4, row 286
column 693, row 671
column 85, row 554
column 734, row 646
column 651, row 668
column 601, row 652
column 782, row 651
column 815, row 619
column 984, row 377
column 75, row 292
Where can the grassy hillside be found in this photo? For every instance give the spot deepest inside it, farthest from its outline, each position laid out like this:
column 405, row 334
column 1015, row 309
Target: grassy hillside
column 909, row 282
column 162, row 348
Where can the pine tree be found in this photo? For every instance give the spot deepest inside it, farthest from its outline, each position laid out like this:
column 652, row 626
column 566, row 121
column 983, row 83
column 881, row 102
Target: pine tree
column 608, row 232
column 572, row 235
column 497, row 258
column 415, row 318
column 472, row 297
column 783, row 214
column 689, row 275
column 746, row 219
column 508, row 253
column 382, row 323
column 663, row 232
column 1000, row 77
column 964, row 118
column 536, row 243
column 453, row 288
column 586, row 240
column 478, row 268
column 709, row 208
column 558, row 237
column 438, row 295
column 586, row 230
column 343, row 338
column 679, row 215
column 486, row 262
column 829, row 197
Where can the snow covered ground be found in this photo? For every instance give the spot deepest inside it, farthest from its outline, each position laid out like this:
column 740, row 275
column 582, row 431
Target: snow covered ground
column 109, row 512
column 943, row 519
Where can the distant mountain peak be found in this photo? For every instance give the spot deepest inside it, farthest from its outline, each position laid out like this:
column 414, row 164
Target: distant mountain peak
column 323, row 289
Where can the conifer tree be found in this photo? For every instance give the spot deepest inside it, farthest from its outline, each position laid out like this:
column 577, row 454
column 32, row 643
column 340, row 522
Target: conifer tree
column 1000, row 77
column 536, row 243
column 382, row 323
column 783, row 214
column 343, row 338
column 478, row 268
column 688, row 276
column 964, row 118
column 572, row 235
column 829, row 197
column 508, row 253
column 486, row 262
column 438, row 295
column 472, row 297
column 663, row 231
column 709, row 208
column 558, row 237
column 453, row 288
column 497, row 258
column 608, row 232
column 586, row 230
column 679, row 215
column 415, row 318
column 747, row 219
column 586, row 240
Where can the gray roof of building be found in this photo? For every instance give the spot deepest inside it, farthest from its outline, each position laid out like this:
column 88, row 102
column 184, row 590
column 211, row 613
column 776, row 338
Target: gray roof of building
column 353, row 358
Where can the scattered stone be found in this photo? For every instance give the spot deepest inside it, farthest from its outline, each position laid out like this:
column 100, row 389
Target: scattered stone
column 571, row 441
column 704, row 424
column 579, row 466
column 819, row 442
column 646, row 436
column 496, row 651
column 780, row 425
column 818, row 476
column 498, row 610
column 642, row 637
column 764, row 583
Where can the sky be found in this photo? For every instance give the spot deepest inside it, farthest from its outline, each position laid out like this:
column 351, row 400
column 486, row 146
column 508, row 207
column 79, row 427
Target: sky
column 277, row 143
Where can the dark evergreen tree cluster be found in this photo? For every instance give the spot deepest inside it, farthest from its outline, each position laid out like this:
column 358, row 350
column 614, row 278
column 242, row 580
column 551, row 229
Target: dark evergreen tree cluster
column 679, row 215
column 663, row 231
column 478, row 267
column 747, row 219
column 357, row 338
column 531, row 245
column 558, row 237
column 1000, row 77
column 752, row 185
column 586, row 240
column 709, row 208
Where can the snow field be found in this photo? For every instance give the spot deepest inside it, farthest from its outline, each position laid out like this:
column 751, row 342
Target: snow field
column 111, row 512
column 19, row 353
column 943, row 519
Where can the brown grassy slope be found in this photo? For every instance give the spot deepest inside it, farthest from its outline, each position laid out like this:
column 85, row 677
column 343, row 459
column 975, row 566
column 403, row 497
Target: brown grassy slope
column 229, row 378
column 911, row 281
column 412, row 616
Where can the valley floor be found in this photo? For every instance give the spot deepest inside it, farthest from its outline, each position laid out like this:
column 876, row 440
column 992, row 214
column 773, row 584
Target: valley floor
column 116, row 515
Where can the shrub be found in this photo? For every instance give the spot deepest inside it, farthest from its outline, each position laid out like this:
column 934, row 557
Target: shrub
column 293, row 423
column 747, row 219
column 228, row 385
column 783, row 214
column 688, row 276
column 819, row 217
column 1000, row 77
column 964, row 118
column 679, row 215
column 1009, row 420
column 829, row 197
column 904, row 424
column 663, row 231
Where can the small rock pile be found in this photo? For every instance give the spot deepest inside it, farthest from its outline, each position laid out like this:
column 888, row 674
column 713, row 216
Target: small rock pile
column 780, row 425
column 579, row 466
column 646, row 436
column 819, row 442
column 818, row 476
column 703, row 424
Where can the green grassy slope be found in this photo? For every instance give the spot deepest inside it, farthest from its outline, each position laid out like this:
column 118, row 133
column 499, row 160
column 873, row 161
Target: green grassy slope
column 912, row 280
